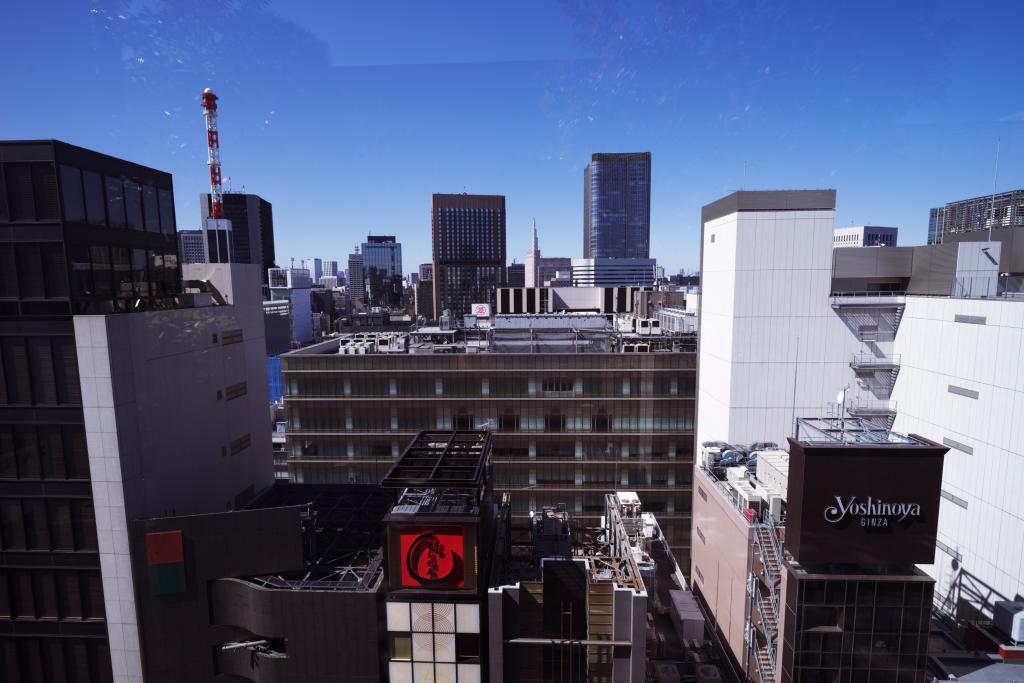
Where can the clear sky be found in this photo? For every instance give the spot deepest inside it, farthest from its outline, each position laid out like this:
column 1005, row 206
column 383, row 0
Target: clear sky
column 347, row 116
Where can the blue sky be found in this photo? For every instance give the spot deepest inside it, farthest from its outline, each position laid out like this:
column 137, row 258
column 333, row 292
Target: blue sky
column 348, row 116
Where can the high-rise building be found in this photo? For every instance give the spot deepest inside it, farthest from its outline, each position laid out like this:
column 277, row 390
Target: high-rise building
column 976, row 215
column 252, row 228
column 516, row 275
column 469, row 250
column 617, row 206
column 99, row 376
column 424, row 299
column 541, row 270
column 382, row 270
column 573, row 417
column 356, row 278
column 192, row 246
column 330, row 268
column 864, row 236
column 613, row 272
column 294, row 285
column 426, row 272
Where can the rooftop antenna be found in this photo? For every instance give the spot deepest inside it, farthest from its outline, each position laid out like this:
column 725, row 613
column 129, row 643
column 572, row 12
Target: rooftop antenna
column 213, row 153
column 995, row 178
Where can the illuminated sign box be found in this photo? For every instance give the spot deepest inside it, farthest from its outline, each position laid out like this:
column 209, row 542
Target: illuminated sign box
column 863, row 504
column 428, row 556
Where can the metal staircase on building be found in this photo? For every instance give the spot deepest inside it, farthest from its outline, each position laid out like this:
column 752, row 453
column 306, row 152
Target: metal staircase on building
column 764, row 591
column 600, row 625
column 876, row 373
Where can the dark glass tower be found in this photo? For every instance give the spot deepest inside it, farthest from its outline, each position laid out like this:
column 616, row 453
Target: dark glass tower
column 82, row 232
column 469, row 250
column 382, row 270
column 617, row 206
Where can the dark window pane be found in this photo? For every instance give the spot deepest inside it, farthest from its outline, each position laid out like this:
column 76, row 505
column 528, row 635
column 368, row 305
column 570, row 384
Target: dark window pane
column 22, row 593
column 115, row 201
column 101, row 271
column 122, row 272
column 81, row 272
column 19, row 387
column 65, row 370
column 44, row 385
column 11, row 524
column 71, row 193
column 55, row 271
column 51, row 453
column 83, row 522
column 133, row 205
column 69, row 594
column 19, row 192
column 167, row 225
column 30, row 271
column 8, row 461
column 61, row 533
column 44, row 186
column 92, row 595
column 37, row 532
column 140, row 272
column 8, row 272
column 26, row 449
column 77, row 455
column 152, row 210
column 93, row 198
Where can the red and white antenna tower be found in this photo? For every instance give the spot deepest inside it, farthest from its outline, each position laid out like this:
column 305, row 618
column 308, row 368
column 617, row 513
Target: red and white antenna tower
column 213, row 153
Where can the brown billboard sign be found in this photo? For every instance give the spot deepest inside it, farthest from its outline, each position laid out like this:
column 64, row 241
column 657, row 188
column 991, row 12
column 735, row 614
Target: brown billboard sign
column 863, row 504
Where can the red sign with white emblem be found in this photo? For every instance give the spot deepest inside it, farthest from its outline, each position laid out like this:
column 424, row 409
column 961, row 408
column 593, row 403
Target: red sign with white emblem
column 432, row 557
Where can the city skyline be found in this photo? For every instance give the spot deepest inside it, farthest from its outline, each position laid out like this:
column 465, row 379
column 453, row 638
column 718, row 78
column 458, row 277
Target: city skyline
column 886, row 126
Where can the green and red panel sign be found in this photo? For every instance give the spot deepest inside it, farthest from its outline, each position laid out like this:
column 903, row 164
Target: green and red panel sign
column 165, row 557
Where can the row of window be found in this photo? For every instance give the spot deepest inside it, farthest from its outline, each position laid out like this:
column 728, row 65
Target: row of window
column 106, row 272
column 36, row 593
column 48, row 660
column 520, row 386
column 115, row 202
column 47, row 524
column 39, row 371
column 50, row 452
column 654, row 416
column 33, row 271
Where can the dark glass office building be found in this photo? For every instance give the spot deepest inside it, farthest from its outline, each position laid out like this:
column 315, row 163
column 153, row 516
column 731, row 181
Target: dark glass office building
column 469, row 250
column 382, row 270
column 80, row 232
column 617, row 206
column 252, row 228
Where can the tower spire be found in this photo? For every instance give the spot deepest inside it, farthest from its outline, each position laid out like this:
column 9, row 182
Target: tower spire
column 535, row 247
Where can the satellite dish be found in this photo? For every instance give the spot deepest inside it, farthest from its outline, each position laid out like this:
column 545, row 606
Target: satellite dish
column 841, row 397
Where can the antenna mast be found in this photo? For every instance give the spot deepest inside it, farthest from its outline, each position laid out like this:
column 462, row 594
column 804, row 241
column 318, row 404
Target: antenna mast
column 995, row 179
column 213, row 153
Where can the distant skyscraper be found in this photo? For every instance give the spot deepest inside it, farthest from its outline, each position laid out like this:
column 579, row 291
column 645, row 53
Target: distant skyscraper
column 540, row 270
column 318, row 269
column 426, row 272
column 191, row 246
column 356, row 279
column 469, row 250
column 617, row 206
column 330, row 268
column 516, row 275
column 252, row 228
column 382, row 270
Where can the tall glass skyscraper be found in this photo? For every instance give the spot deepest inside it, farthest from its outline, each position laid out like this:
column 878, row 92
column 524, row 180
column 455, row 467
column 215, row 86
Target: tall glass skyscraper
column 382, row 268
column 617, row 206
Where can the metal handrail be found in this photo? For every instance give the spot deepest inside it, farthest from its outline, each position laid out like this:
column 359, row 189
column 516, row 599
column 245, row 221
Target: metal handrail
column 871, row 359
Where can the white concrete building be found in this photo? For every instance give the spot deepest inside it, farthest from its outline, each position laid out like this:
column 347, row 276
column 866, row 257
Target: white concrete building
column 961, row 383
column 927, row 340
column 175, row 423
column 864, row 236
column 771, row 346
